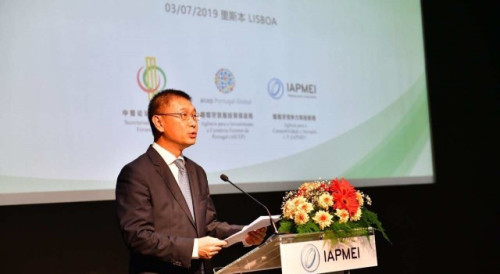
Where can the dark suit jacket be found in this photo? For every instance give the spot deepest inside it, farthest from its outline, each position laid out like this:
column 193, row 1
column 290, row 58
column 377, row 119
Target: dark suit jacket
column 155, row 220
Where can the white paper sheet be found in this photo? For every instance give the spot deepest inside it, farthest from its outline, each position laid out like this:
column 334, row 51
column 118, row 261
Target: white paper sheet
column 260, row 222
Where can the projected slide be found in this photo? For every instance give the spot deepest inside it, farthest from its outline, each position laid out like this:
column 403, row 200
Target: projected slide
column 288, row 91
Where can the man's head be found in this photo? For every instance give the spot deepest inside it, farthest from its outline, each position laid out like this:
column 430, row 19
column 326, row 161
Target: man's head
column 173, row 120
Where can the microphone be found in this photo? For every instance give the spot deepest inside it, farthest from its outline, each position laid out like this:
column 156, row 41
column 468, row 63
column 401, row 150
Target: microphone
column 226, row 179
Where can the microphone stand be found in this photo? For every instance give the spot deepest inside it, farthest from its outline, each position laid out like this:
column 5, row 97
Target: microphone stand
column 226, row 179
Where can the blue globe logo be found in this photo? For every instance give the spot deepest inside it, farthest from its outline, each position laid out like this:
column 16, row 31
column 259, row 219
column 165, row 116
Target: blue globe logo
column 275, row 88
column 224, row 80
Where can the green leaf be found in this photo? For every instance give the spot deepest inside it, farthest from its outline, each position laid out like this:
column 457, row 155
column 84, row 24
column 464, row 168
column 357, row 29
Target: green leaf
column 370, row 218
column 286, row 226
column 308, row 227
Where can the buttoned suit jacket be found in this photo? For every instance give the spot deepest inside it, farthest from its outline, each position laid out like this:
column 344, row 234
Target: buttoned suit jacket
column 155, row 220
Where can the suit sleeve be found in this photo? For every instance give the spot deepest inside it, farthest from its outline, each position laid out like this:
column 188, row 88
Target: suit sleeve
column 215, row 228
column 135, row 213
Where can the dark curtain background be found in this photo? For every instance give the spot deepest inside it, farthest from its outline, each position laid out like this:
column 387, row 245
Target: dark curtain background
column 438, row 228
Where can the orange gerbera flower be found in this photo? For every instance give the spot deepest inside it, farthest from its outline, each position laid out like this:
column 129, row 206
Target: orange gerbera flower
column 344, row 196
column 341, row 186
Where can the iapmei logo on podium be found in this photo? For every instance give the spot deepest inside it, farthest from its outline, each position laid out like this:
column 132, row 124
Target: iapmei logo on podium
column 151, row 78
column 310, row 257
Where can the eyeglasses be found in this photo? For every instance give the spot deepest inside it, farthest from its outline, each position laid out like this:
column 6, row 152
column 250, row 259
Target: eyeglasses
column 183, row 116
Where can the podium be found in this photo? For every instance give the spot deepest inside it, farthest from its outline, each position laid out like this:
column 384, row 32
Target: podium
column 308, row 253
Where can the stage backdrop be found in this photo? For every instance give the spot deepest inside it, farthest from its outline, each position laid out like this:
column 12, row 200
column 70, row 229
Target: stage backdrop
column 288, row 91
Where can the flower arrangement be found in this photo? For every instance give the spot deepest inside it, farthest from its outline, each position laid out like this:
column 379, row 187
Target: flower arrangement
column 334, row 207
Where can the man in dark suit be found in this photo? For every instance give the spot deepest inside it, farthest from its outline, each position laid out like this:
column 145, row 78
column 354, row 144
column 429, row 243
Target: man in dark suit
column 166, row 215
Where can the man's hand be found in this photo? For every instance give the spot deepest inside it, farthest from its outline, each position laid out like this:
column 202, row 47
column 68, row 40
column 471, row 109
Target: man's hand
column 209, row 247
column 256, row 237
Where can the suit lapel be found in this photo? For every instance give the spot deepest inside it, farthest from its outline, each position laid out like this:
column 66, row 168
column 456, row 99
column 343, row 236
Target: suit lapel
column 169, row 180
column 195, row 192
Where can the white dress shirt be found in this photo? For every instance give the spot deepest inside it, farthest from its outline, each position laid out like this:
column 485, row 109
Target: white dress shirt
column 169, row 159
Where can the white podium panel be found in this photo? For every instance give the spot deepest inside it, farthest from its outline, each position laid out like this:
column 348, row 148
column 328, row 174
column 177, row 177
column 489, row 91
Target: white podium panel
column 307, row 253
column 322, row 256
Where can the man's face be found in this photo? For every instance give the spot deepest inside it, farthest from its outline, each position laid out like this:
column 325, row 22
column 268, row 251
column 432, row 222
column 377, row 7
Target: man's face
column 177, row 134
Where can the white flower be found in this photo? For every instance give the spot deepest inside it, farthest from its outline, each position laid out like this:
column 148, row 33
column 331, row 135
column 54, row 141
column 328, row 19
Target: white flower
column 289, row 209
column 325, row 200
column 343, row 215
column 301, row 218
column 359, row 197
column 368, row 200
column 323, row 219
column 292, row 206
column 356, row 216
column 298, row 200
column 305, row 207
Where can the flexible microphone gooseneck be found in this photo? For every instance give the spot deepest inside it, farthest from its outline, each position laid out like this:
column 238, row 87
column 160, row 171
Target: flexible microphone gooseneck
column 226, row 179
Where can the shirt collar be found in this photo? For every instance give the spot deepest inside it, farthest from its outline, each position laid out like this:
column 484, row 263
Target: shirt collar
column 168, row 157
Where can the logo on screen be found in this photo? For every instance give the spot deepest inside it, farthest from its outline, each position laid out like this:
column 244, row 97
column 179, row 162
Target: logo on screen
column 309, row 257
column 224, row 80
column 151, row 78
column 275, row 88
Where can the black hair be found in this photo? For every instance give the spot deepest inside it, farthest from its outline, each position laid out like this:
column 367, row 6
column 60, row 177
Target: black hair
column 159, row 99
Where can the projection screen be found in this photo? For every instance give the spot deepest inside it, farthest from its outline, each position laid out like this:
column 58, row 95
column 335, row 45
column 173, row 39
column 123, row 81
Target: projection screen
column 288, row 91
